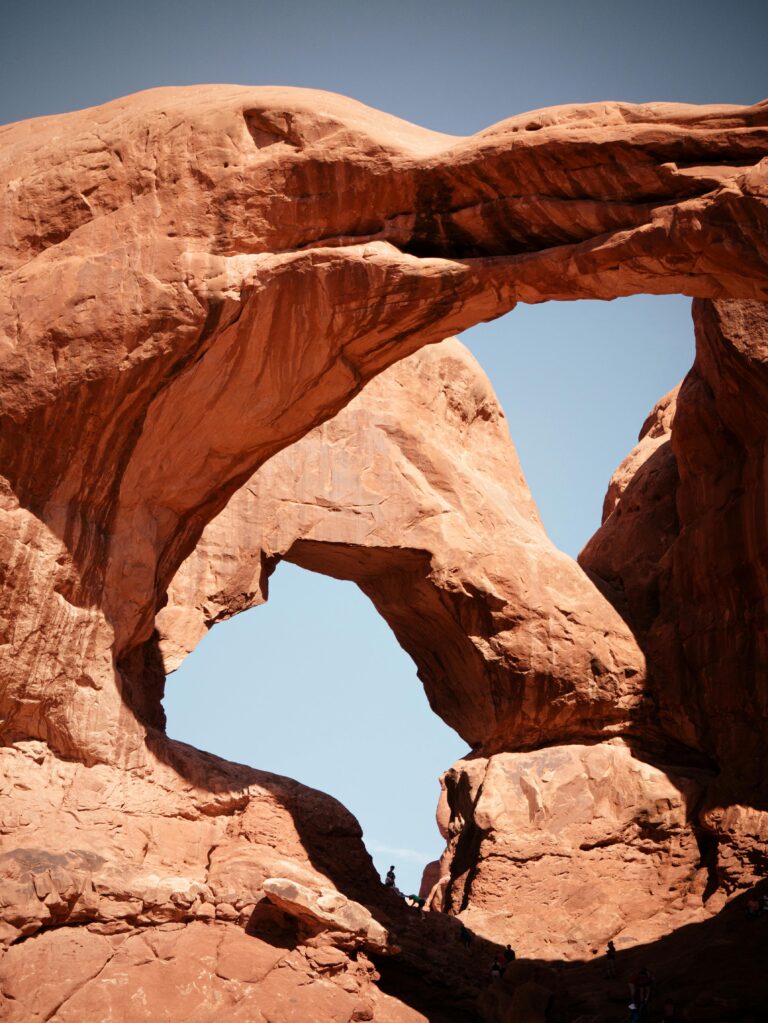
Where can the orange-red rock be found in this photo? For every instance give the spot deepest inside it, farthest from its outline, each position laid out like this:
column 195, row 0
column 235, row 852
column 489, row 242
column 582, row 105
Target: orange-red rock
column 415, row 492
column 193, row 279
column 683, row 550
column 558, row 850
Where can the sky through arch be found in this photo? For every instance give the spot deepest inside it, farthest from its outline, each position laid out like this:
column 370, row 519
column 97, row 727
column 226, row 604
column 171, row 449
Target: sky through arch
column 314, row 685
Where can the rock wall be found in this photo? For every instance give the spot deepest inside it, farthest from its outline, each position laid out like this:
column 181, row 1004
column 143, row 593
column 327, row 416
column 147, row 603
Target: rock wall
column 683, row 548
column 560, row 849
column 192, row 280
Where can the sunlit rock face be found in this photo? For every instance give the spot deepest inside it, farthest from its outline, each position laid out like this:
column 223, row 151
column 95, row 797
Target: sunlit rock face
column 192, row 280
column 560, row 849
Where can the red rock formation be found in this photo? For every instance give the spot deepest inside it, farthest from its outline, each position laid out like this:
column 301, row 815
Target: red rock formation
column 701, row 605
column 192, row 280
column 639, row 521
column 415, row 492
column 166, row 259
column 591, row 830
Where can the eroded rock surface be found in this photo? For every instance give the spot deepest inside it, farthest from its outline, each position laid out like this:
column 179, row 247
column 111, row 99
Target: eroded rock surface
column 591, row 830
column 694, row 499
column 415, row 492
column 192, row 280
column 327, row 911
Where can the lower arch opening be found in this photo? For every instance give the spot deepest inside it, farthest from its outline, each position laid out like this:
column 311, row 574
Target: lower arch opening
column 314, row 686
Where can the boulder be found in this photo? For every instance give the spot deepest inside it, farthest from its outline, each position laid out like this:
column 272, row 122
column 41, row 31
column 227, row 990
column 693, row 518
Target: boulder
column 346, row 923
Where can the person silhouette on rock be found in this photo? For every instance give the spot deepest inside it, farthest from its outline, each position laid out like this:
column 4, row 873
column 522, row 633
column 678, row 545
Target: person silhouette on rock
column 390, row 879
column 610, row 959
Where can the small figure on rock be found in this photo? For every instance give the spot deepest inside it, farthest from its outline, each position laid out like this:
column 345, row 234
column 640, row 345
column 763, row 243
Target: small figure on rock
column 416, row 901
column 390, row 878
column 465, row 937
column 509, row 954
column 610, row 959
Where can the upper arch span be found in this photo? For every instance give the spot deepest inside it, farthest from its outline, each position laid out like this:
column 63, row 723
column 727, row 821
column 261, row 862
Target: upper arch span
column 181, row 300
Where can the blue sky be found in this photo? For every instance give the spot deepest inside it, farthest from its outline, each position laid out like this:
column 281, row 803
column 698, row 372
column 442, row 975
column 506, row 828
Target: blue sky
column 313, row 685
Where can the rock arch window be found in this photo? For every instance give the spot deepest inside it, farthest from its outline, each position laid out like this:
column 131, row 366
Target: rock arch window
column 130, row 423
column 314, row 686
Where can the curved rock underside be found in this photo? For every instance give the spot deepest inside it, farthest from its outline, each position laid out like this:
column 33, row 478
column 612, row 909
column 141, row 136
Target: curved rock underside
column 194, row 279
column 415, row 492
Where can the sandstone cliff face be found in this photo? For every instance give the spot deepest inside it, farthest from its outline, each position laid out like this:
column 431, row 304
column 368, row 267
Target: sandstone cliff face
column 701, row 608
column 639, row 521
column 591, row 830
column 192, row 280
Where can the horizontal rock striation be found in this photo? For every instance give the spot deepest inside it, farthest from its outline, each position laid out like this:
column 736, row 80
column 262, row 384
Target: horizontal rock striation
column 194, row 278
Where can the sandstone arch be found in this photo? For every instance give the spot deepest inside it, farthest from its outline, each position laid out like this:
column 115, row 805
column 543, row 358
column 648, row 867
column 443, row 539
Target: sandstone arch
column 192, row 280
column 192, row 241
column 414, row 491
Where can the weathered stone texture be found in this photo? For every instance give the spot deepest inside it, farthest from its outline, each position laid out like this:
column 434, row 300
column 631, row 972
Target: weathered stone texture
column 699, row 601
column 557, row 850
column 415, row 492
column 192, row 280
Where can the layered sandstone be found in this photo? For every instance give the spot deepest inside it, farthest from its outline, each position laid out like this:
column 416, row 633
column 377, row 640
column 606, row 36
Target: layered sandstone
column 194, row 279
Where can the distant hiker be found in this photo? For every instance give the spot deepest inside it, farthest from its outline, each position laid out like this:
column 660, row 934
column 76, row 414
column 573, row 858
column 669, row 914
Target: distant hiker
column 640, row 986
column 390, row 879
column 415, row 900
column 753, row 905
column 497, row 968
column 509, row 954
column 634, row 1012
column 610, row 959
column 465, row 937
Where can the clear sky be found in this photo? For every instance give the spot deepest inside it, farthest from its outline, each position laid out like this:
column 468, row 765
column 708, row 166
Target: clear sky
column 313, row 685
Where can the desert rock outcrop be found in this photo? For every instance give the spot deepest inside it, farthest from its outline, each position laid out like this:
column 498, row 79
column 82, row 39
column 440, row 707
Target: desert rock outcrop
column 592, row 830
column 192, row 280
column 694, row 496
